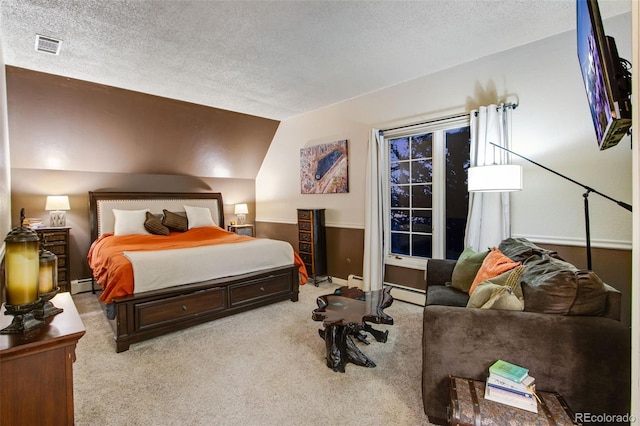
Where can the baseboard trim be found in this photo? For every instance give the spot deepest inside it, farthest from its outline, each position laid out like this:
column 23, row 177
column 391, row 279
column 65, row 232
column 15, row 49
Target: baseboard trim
column 408, row 294
column 576, row 242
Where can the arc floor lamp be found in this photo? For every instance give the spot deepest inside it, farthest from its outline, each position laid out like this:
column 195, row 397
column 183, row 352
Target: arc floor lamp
column 506, row 177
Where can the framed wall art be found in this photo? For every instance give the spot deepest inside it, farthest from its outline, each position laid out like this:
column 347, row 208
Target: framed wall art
column 324, row 169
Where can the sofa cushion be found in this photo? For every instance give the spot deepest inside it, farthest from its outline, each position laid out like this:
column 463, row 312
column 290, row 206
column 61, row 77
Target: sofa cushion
column 446, row 296
column 466, row 269
column 553, row 286
column 493, row 265
column 502, row 292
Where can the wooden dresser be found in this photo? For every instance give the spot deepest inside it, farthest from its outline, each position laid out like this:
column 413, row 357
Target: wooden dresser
column 37, row 369
column 56, row 240
column 312, row 243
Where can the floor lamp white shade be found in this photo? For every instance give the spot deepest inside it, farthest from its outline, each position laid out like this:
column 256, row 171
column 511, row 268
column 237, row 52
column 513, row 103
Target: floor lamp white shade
column 495, row 178
column 241, row 211
column 57, row 204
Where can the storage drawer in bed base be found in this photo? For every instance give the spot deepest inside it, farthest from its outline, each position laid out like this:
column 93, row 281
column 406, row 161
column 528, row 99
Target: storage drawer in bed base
column 152, row 314
column 252, row 291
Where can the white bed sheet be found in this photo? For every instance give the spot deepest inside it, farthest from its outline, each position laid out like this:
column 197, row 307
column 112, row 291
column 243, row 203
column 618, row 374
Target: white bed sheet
column 153, row 270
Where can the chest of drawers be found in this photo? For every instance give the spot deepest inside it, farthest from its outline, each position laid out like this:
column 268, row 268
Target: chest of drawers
column 312, row 243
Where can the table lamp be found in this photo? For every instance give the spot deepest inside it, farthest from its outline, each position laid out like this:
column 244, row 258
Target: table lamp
column 47, row 285
column 57, row 204
column 22, row 269
column 241, row 212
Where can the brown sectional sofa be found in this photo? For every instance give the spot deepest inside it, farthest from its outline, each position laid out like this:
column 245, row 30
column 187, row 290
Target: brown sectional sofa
column 584, row 357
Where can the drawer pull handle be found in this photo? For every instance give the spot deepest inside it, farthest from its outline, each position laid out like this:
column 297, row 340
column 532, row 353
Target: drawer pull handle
column 184, row 308
column 261, row 288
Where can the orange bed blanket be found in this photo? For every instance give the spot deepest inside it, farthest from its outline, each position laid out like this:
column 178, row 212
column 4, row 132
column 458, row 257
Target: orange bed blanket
column 114, row 272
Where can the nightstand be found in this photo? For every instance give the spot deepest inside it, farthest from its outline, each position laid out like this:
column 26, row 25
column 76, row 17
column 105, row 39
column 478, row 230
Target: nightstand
column 56, row 240
column 37, row 368
column 247, row 229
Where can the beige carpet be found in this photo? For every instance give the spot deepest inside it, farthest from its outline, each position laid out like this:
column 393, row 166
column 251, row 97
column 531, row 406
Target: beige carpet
column 264, row 367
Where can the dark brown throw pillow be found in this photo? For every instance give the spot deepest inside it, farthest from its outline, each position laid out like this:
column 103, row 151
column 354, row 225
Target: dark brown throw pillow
column 154, row 225
column 175, row 222
column 553, row 286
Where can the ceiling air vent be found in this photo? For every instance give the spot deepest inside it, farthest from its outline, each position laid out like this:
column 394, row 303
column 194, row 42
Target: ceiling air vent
column 47, row 44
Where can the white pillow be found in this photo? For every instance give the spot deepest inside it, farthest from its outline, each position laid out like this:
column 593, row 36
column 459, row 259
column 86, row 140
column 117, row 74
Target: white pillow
column 199, row 216
column 129, row 222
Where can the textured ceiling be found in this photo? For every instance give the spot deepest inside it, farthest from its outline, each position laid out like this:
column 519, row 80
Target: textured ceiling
column 273, row 59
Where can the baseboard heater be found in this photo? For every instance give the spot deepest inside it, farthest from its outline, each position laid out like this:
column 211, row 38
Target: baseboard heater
column 399, row 292
column 354, row 281
column 80, row 286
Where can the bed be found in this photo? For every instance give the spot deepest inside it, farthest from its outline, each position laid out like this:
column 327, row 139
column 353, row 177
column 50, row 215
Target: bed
column 155, row 284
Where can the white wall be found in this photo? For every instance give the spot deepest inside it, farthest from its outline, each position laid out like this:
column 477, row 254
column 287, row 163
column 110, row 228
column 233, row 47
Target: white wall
column 5, row 166
column 552, row 125
column 635, row 277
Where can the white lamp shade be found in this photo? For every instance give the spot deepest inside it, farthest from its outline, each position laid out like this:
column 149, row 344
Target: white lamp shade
column 57, row 202
column 241, row 209
column 495, row 178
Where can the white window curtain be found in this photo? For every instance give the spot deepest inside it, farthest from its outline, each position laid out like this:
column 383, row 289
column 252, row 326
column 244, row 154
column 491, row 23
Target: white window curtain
column 488, row 221
column 373, row 273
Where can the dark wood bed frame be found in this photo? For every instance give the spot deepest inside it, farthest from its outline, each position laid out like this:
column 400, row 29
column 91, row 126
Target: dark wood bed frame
column 150, row 314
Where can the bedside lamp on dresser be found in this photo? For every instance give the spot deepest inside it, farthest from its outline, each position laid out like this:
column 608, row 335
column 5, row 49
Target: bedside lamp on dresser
column 242, row 227
column 241, row 212
column 56, row 205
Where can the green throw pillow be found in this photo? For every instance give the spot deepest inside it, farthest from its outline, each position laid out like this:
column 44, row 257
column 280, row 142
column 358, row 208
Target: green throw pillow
column 467, row 268
column 502, row 292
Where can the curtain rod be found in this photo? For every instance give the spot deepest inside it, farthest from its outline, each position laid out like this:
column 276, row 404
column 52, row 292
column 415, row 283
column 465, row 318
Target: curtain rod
column 453, row 117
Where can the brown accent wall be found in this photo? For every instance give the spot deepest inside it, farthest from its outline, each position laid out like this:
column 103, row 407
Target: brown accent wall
column 407, row 277
column 58, row 123
column 69, row 137
column 345, row 252
column 612, row 266
column 345, row 246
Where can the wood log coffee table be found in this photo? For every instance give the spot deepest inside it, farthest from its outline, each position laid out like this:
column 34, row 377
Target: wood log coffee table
column 345, row 314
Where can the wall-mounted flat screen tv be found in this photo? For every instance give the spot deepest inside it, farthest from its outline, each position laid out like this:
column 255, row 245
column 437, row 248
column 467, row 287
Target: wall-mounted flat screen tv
column 606, row 76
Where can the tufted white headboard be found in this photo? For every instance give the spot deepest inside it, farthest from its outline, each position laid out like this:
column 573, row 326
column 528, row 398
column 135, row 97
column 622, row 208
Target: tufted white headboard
column 101, row 205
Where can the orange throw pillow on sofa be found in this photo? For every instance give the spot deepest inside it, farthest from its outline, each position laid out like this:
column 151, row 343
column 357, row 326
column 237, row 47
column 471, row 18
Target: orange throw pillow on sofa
column 496, row 263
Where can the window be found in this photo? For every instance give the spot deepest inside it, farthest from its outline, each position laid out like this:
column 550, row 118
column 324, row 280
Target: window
column 427, row 201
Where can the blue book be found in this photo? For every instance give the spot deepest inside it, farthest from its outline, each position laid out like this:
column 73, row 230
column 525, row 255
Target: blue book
column 509, row 398
column 527, row 385
column 523, row 393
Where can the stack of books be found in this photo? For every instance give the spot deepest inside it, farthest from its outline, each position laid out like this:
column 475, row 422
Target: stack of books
column 33, row 222
column 512, row 385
